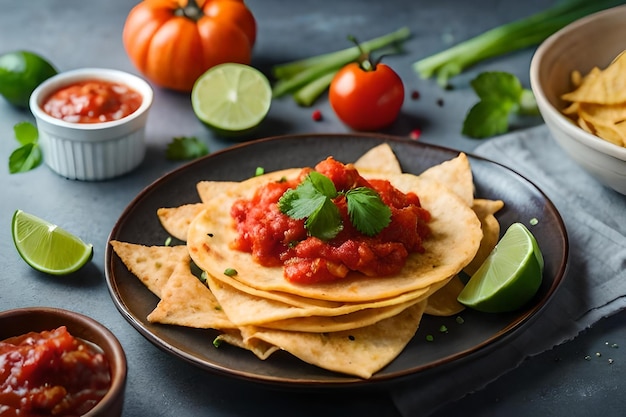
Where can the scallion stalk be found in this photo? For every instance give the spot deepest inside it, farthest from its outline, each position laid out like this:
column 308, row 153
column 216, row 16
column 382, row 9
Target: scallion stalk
column 519, row 34
column 330, row 59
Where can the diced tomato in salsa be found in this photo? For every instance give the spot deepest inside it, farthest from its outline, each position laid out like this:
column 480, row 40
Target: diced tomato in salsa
column 274, row 239
column 92, row 101
column 51, row 373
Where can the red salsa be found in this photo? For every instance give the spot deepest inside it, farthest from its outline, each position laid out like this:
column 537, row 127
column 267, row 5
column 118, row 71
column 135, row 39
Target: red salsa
column 92, row 101
column 51, row 373
column 275, row 239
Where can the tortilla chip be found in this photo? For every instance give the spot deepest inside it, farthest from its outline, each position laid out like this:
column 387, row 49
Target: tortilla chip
column 209, row 189
column 176, row 220
column 444, row 302
column 456, row 174
column 453, row 225
column 598, row 101
column 607, row 86
column 379, row 159
column 360, row 352
column 485, row 210
column 185, row 301
column 328, row 324
column 153, row 265
column 260, row 348
column 245, row 309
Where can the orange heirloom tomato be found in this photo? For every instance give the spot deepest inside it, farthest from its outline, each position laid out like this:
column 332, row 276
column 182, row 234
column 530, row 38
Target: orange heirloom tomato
column 173, row 42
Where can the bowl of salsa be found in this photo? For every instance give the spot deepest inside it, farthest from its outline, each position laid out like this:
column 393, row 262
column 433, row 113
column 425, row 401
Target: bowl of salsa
column 56, row 362
column 91, row 122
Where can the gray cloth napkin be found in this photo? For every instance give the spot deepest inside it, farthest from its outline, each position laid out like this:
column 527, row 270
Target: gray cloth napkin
column 595, row 285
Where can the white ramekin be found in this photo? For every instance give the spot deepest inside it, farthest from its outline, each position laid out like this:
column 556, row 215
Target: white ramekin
column 92, row 151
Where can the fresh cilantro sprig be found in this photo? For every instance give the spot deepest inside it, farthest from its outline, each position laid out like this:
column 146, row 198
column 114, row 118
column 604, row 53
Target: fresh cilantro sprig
column 185, row 147
column 312, row 200
column 28, row 156
column 501, row 95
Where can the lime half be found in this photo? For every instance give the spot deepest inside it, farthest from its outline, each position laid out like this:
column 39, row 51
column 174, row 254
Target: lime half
column 509, row 277
column 46, row 247
column 231, row 98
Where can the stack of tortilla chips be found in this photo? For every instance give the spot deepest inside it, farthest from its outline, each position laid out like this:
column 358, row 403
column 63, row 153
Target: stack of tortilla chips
column 354, row 326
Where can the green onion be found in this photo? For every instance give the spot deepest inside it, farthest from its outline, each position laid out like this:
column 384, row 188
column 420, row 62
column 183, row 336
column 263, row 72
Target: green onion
column 231, row 272
column 519, row 34
column 217, row 342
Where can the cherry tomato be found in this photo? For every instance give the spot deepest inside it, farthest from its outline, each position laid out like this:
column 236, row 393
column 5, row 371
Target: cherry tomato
column 366, row 99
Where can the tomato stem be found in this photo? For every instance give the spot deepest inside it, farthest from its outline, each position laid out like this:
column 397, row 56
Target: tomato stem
column 190, row 11
column 365, row 58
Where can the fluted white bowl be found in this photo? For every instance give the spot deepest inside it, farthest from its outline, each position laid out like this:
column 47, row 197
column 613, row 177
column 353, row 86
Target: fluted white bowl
column 92, row 151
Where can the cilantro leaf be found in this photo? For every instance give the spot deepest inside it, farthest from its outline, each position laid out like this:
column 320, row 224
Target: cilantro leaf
column 367, row 212
column 25, row 158
column 325, row 222
column 313, row 198
column 308, row 197
column 322, row 184
column 185, row 148
column 301, row 202
column 501, row 94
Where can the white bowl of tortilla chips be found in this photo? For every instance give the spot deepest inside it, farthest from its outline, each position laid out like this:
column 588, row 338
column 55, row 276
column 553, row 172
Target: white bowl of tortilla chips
column 355, row 326
column 579, row 80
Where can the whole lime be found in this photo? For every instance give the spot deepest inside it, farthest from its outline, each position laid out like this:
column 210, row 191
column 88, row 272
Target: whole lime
column 20, row 73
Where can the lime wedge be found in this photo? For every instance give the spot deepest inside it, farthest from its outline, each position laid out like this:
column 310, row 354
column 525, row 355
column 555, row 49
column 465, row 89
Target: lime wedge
column 509, row 277
column 46, row 247
column 231, row 98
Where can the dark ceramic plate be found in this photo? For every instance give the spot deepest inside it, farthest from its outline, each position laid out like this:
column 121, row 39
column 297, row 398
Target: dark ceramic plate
column 479, row 334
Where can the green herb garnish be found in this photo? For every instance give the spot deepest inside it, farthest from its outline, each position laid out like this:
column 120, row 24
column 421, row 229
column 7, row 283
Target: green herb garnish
column 184, row 148
column 28, row 156
column 231, row 272
column 501, row 95
column 312, row 200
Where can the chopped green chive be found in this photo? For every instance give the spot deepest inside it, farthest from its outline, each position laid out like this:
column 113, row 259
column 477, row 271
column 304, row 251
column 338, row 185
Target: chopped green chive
column 429, row 338
column 230, row 272
column 259, row 171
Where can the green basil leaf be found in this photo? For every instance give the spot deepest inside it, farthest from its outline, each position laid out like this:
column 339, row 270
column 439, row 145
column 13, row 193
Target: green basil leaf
column 25, row 158
column 185, row 148
column 25, row 133
column 487, row 118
